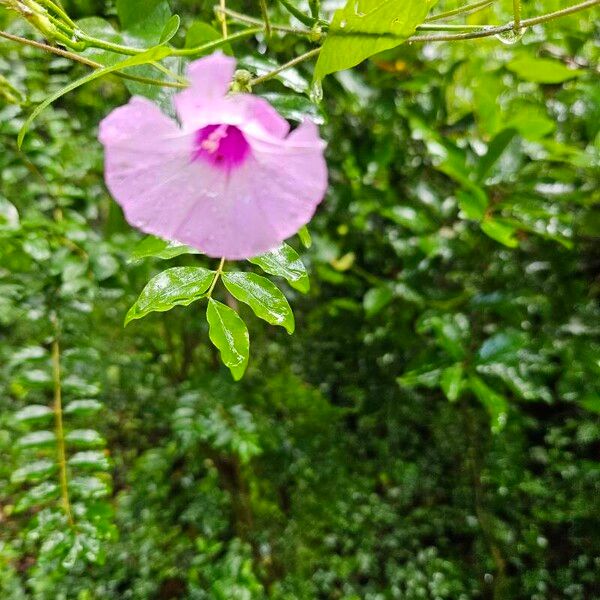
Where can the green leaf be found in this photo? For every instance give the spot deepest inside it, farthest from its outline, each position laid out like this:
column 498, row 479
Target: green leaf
column 170, row 29
column 366, row 27
column 229, row 334
column 155, row 247
column 501, row 231
column 473, row 205
column 37, row 439
column 94, row 460
column 34, row 413
column 179, row 286
column 305, row 237
column 495, row 403
column 132, row 12
column 495, row 150
column 34, row 471
column 262, row 296
column 376, row 299
column 200, row 33
column 83, row 407
column 85, row 438
column 151, row 55
column 541, row 70
column 38, row 495
column 9, row 216
column 89, row 487
column 451, row 381
column 284, row 262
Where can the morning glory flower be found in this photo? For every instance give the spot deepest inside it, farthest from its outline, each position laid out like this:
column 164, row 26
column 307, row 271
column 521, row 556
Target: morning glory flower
column 228, row 179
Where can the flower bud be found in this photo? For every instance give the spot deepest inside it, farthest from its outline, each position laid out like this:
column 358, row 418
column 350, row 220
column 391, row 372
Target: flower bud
column 241, row 81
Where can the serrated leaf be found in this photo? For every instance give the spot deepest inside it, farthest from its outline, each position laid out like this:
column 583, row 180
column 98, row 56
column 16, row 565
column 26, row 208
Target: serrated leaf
column 33, row 413
column 37, row 439
column 34, row 471
column 91, row 460
column 88, row 438
column 262, row 296
column 179, row 286
column 155, row 247
column 229, row 334
column 83, row 407
column 366, row 27
column 284, row 262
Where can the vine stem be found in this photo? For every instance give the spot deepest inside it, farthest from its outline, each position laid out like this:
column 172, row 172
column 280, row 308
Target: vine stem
column 218, row 273
column 285, row 66
column 461, row 10
column 517, row 15
column 85, row 61
column 490, row 31
column 61, row 454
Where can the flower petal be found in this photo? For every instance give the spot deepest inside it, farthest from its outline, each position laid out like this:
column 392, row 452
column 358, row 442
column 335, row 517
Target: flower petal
column 265, row 201
column 209, row 82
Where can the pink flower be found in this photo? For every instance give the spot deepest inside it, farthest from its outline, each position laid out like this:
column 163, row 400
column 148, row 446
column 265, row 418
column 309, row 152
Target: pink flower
column 231, row 180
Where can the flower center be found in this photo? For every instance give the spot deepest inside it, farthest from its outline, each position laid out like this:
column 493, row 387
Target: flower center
column 223, row 146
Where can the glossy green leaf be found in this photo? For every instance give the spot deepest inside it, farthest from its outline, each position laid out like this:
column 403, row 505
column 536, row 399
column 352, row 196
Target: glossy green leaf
column 179, row 286
column 89, row 487
column 284, row 262
column 366, row 27
column 473, row 205
column 229, row 334
column 83, row 407
column 156, row 247
column 262, row 296
column 34, row 413
column 85, row 438
column 37, row 439
column 34, row 471
column 94, row 460
column 38, row 495
column 495, row 403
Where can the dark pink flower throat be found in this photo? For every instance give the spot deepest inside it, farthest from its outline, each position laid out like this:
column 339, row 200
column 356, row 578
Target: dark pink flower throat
column 223, row 146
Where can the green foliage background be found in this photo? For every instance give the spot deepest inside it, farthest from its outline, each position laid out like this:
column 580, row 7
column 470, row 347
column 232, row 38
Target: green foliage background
column 429, row 431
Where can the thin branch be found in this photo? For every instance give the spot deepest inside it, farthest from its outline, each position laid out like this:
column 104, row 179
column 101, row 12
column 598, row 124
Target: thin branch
column 467, row 9
column 61, row 454
column 490, row 31
column 287, row 65
column 85, row 61
column 252, row 21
